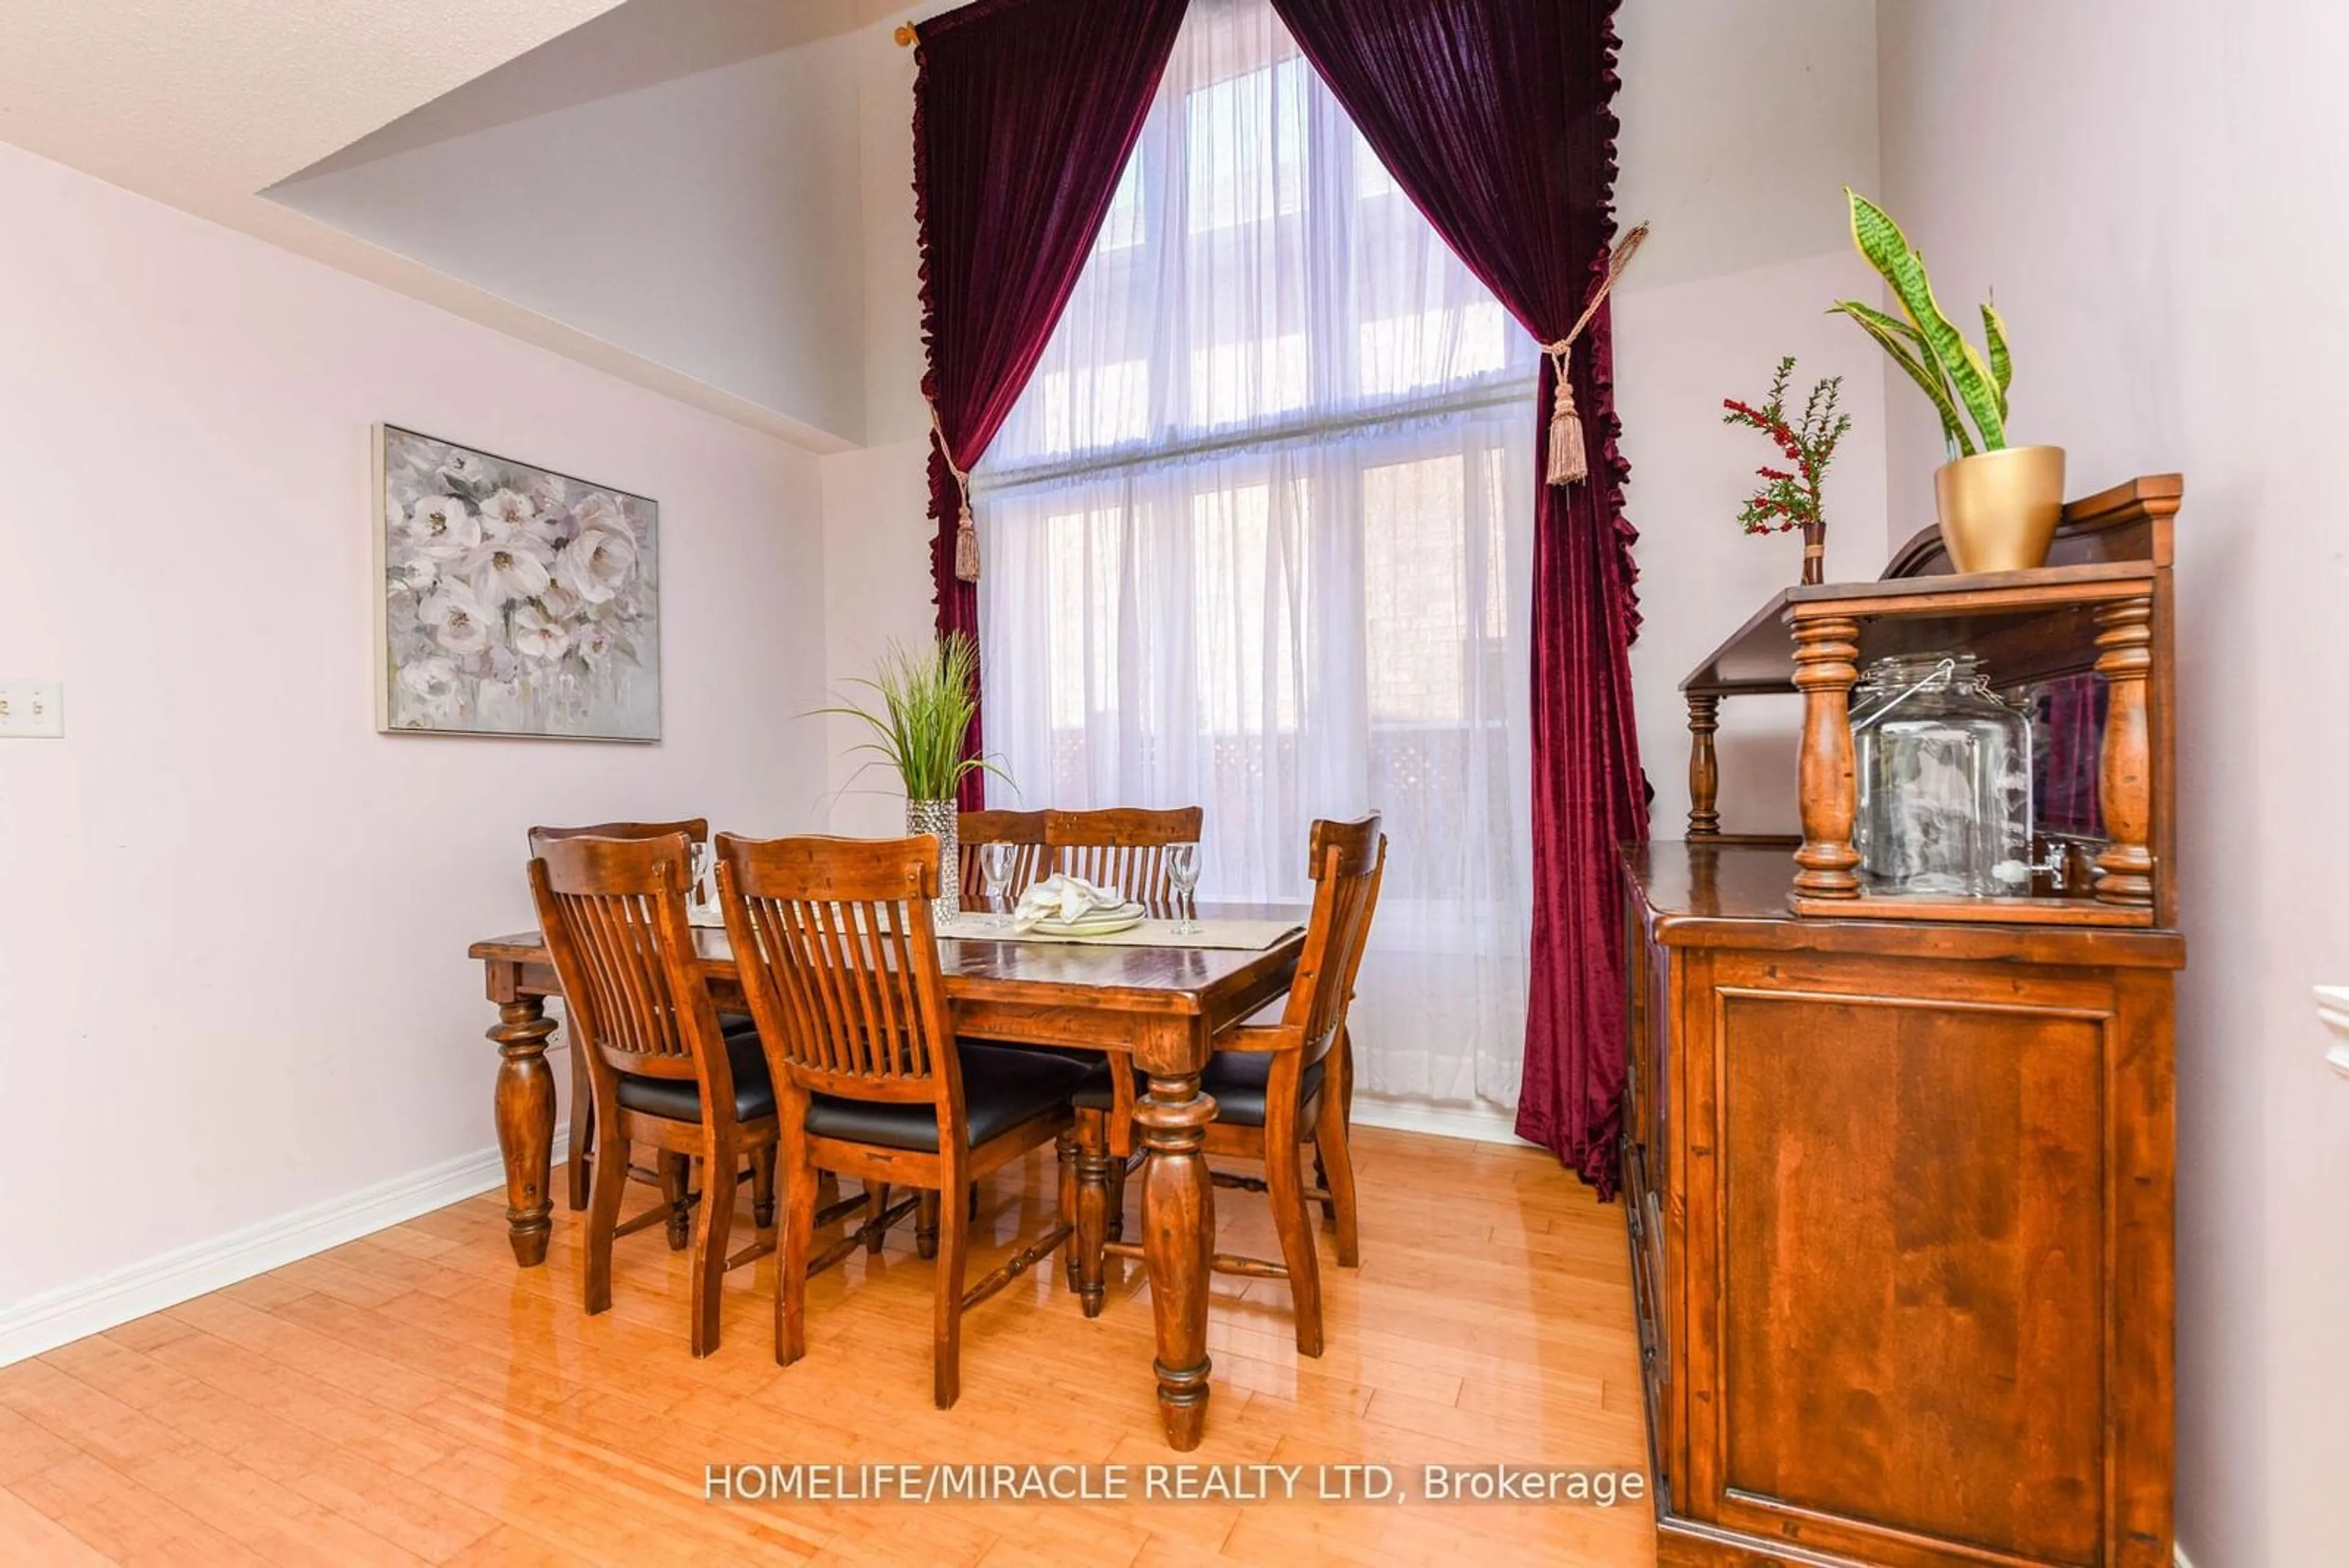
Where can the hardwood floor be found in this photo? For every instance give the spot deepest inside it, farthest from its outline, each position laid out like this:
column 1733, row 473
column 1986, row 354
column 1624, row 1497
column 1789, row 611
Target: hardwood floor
column 414, row 1397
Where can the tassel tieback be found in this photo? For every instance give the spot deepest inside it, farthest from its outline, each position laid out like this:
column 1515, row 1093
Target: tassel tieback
column 1569, row 463
column 966, row 545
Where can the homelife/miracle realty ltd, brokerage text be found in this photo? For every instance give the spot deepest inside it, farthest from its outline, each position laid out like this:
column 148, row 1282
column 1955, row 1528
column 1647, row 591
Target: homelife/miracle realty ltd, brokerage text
column 915, row 1483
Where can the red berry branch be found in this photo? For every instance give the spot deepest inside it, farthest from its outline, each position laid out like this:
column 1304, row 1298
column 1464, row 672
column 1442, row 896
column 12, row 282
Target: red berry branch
column 1790, row 498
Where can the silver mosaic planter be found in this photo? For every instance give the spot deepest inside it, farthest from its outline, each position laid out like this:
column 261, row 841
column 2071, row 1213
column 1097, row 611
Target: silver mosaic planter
column 941, row 819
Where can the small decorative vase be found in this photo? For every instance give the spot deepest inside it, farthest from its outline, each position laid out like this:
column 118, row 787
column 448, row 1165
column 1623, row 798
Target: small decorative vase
column 1815, row 552
column 942, row 820
column 1999, row 509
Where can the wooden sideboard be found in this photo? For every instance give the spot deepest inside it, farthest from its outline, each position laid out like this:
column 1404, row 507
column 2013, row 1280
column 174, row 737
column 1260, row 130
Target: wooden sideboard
column 1899, row 1181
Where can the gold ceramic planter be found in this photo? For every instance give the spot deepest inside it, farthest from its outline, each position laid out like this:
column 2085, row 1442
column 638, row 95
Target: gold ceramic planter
column 1999, row 509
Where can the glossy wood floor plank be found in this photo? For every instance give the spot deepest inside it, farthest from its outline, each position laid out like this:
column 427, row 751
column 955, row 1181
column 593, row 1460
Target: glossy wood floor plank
column 413, row 1397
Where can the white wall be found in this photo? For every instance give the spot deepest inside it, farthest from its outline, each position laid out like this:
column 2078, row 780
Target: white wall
column 232, row 917
column 2149, row 184
column 708, row 224
column 877, row 500
column 876, row 542
column 1741, row 125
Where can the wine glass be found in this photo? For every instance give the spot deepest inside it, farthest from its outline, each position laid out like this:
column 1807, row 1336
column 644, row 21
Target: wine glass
column 703, row 892
column 1182, row 870
column 996, row 863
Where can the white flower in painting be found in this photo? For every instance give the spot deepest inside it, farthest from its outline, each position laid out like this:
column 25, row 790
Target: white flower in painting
column 400, row 609
column 640, row 522
column 622, row 609
column 468, row 470
column 537, row 635
column 548, row 492
column 599, row 509
column 558, row 601
column 416, row 575
column 456, row 619
column 504, row 570
column 593, row 643
column 439, row 527
column 428, row 689
column 497, row 670
column 598, row 564
column 510, row 514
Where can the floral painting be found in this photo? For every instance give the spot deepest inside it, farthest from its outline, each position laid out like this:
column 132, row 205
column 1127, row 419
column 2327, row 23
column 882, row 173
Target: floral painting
column 513, row 601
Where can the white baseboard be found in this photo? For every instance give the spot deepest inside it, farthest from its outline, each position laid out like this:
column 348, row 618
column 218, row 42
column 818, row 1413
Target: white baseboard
column 91, row 1306
column 1480, row 1124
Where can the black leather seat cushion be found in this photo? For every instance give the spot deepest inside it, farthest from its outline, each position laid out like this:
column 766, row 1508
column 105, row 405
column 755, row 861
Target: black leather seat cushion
column 679, row 1099
column 1235, row 1078
column 1001, row 1088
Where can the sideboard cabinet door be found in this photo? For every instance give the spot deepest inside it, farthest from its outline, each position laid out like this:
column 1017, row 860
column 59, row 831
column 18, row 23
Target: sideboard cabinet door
column 1926, row 1255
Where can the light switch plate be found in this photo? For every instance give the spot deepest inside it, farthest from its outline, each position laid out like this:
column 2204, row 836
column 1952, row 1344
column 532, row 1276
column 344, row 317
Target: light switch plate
column 32, row 710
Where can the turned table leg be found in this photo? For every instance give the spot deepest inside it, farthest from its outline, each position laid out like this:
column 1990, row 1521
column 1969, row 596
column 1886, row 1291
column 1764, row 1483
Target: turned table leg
column 524, row 1107
column 1826, row 651
column 1704, row 767
column 1092, row 1212
column 1178, row 1222
column 2124, row 661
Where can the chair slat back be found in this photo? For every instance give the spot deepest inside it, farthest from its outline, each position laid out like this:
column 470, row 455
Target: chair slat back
column 1355, row 840
column 695, row 828
column 839, row 962
column 1349, row 862
column 1124, row 848
column 613, row 911
column 1023, row 829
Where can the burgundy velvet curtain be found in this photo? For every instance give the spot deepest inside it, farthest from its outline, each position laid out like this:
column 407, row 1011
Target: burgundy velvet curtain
column 1494, row 116
column 1024, row 112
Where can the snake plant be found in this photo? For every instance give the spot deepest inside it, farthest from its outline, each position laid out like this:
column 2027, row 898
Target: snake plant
column 1924, row 343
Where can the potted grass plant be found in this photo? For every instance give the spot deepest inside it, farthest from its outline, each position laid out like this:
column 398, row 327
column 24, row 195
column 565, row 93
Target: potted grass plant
column 923, row 699
column 1997, row 503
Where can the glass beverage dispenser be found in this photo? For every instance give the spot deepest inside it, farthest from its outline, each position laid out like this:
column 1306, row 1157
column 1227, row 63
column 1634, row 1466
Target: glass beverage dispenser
column 1944, row 766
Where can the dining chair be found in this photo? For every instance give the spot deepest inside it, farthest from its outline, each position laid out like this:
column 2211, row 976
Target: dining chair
column 579, row 1159
column 1023, row 829
column 1277, row 1087
column 839, row 959
column 659, row 1069
column 1123, row 847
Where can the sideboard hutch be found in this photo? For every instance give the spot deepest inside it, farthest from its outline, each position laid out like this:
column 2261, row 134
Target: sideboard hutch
column 1898, row 1171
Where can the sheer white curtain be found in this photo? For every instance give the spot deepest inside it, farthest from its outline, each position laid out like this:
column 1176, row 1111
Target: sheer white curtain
column 1258, row 537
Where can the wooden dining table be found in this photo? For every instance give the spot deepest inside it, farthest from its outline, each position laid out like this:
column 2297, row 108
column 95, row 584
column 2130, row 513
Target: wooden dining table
column 1164, row 1007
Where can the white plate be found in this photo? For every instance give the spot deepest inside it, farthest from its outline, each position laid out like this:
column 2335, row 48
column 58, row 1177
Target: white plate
column 1100, row 923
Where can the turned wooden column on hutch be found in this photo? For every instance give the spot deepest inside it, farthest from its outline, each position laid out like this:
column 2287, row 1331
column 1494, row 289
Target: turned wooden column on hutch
column 1897, row 1168
column 2125, row 660
column 1704, row 765
column 1825, row 647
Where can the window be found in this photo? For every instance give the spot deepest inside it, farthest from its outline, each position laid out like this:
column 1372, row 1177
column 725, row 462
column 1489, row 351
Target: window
column 1258, row 536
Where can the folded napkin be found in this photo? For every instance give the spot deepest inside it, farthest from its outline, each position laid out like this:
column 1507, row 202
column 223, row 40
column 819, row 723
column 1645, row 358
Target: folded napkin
column 1062, row 897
